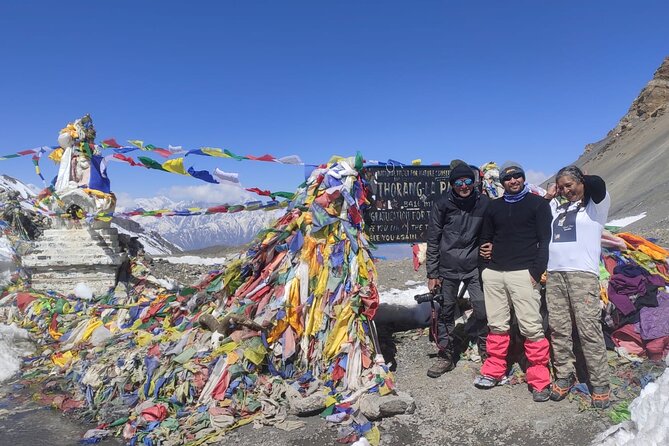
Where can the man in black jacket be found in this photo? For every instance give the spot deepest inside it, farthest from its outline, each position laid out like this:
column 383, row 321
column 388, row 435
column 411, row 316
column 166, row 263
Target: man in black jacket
column 515, row 237
column 453, row 258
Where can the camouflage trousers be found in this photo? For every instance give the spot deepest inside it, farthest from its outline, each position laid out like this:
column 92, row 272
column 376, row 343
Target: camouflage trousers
column 574, row 296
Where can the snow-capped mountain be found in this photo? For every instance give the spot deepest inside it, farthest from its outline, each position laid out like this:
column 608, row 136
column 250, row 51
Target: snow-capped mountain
column 26, row 191
column 153, row 243
column 204, row 230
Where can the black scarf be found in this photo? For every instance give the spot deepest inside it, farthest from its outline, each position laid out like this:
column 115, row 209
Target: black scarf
column 465, row 204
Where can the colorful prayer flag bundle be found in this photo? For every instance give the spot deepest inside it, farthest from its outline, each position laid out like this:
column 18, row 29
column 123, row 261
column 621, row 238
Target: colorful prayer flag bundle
column 284, row 327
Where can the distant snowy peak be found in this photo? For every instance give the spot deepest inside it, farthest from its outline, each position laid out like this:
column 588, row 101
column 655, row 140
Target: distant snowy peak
column 26, row 191
column 203, row 231
column 158, row 202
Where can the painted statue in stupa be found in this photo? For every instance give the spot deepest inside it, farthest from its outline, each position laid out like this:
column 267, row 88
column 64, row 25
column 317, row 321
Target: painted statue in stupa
column 82, row 188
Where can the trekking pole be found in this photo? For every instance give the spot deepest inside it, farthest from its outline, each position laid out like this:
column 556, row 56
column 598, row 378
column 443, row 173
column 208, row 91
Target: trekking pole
column 378, row 359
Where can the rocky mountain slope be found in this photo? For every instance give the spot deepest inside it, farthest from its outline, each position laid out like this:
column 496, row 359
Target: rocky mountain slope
column 153, row 242
column 634, row 158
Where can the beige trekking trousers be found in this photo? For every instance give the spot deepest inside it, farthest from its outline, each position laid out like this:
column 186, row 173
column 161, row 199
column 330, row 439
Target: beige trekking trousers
column 504, row 290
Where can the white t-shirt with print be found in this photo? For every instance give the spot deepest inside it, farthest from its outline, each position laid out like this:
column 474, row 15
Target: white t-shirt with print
column 576, row 235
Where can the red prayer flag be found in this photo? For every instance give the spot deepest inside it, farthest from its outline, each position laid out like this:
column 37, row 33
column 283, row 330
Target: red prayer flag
column 261, row 158
column 111, row 142
column 255, row 190
column 127, row 159
column 162, row 152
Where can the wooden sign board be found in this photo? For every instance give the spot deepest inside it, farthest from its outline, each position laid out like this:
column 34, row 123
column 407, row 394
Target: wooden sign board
column 401, row 200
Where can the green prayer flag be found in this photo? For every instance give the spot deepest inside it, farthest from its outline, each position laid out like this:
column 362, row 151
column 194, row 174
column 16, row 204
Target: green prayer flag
column 358, row 161
column 286, row 195
column 150, row 164
column 232, row 155
column 185, row 356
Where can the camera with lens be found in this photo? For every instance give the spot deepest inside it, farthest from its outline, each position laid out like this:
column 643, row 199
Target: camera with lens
column 429, row 296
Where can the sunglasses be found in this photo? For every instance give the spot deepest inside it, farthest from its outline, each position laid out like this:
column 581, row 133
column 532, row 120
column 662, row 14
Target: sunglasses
column 515, row 176
column 465, row 182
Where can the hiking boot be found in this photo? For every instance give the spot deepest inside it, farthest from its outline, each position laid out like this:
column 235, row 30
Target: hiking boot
column 601, row 397
column 561, row 387
column 539, row 396
column 443, row 364
column 485, row 382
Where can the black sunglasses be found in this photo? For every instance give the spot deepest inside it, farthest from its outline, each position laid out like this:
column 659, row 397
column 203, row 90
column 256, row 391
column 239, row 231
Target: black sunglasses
column 515, row 176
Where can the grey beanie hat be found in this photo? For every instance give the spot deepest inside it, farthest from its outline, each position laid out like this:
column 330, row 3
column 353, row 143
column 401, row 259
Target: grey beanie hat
column 509, row 168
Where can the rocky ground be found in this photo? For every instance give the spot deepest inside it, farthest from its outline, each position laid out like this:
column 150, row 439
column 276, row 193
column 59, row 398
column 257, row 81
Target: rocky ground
column 449, row 410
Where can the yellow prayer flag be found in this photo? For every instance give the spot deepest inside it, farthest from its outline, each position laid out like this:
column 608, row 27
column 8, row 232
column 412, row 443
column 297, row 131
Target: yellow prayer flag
column 62, row 359
column 255, row 355
column 92, row 325
column 143, row 338
column 214, row 151
column 54, row 333
column 175, row 166
column 339, row 331
column 228, row 347
column 233, row 357
column 373, row 436
column 384, row 389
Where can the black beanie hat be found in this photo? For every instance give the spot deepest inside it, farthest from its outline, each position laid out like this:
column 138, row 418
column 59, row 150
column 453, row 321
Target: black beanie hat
column 460, row 171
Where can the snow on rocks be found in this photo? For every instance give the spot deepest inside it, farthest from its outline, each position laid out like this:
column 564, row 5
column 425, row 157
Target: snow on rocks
column 14, row 343
column 648, row 426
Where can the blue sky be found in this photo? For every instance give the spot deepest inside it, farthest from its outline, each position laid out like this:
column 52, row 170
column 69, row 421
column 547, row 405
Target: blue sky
column 436, row 80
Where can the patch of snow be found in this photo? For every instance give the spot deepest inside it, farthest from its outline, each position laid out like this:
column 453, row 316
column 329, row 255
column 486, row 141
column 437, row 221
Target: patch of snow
column 622, row 222
column 14, row 343
column 83, row 291
column 7, row 265
column 362, row 442
column 649, row 424
column 402, row 297
column 195, row 260
column 168, row 284
column 399, row 307
column 412, row 282
column 405, row 298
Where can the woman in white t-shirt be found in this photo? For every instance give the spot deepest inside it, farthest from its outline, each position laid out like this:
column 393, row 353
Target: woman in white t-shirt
column 572, row 286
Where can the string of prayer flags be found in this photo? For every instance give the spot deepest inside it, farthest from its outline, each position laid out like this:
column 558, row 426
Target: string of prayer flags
column 27, row 152
column 190, row 212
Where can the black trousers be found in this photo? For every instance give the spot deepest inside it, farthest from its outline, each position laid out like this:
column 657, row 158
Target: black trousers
column 476, row 327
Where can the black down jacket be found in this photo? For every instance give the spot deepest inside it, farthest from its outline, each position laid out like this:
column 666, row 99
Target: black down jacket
column 453, row 238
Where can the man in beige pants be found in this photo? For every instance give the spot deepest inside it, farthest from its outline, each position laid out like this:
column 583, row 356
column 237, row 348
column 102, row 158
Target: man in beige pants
column 514, row 240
